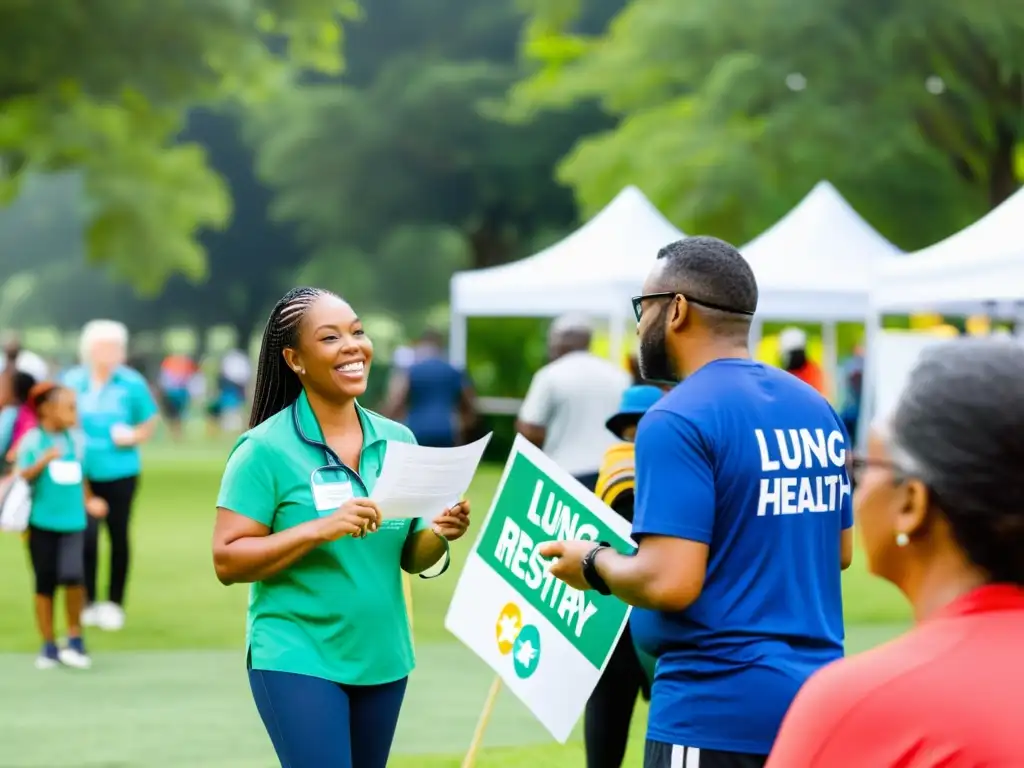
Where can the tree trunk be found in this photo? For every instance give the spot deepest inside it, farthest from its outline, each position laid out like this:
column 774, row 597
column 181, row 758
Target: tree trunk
column 1002, row 179
column 489, row 248
column 202, row 334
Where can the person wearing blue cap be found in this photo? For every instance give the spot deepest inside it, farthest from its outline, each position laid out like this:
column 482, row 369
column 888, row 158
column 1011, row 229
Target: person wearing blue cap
column 610, row 708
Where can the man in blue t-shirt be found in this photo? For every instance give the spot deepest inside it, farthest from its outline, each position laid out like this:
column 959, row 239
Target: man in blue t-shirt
column 431, row 396
column 743, row 521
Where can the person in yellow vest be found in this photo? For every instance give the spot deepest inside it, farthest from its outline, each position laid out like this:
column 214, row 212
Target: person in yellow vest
column 610, row 709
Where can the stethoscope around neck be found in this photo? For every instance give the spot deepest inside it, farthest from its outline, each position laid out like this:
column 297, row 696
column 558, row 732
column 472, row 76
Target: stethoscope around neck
column 335, row 464
column 333, row 460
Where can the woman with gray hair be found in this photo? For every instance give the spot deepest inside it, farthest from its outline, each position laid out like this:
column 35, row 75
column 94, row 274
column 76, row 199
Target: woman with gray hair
column 940, row 509
column 117, row 414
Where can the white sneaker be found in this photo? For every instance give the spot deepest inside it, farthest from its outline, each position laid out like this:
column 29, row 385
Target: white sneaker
column 48, row 658
column 110, row 617
column 91, row 615
column 70, row 657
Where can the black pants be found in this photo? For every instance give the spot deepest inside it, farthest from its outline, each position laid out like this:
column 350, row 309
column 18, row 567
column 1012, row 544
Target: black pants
column 315, row 723
column 56, row 559
column 657, row 754
column 119, row 495
column 610, row 708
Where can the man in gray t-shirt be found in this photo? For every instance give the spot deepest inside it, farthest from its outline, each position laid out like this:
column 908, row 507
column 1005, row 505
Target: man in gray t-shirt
column 570, row 399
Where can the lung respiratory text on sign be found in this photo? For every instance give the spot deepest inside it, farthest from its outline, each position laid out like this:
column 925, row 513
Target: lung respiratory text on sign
column 517, row 550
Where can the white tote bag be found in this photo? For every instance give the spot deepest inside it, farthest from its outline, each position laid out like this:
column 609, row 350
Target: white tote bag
column 15, row 503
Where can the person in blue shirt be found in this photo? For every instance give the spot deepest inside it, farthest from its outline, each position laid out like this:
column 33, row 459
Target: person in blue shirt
column 118, row 414
column 742, row 521
column 433, row 397
column 853, row 378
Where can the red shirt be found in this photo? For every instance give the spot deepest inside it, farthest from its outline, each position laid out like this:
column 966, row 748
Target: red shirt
column 948, row 694
column 811, row 374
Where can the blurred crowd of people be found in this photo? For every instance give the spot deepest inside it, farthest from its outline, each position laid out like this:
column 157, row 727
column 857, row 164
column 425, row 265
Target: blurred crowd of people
column 182, row 381
column 70, row 436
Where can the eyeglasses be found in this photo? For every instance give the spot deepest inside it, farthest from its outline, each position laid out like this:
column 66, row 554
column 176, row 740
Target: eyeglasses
column 861, row 464
column 638, row 303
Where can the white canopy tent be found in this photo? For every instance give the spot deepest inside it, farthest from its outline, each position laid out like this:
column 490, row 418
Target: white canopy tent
column 978, row 265
column 595, row 270
column 817, row 264
column 978, row 269
column 818, row 261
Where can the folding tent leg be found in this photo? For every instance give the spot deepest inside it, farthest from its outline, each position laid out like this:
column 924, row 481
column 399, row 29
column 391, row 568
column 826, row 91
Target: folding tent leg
column 830, row 343
column 457, row 339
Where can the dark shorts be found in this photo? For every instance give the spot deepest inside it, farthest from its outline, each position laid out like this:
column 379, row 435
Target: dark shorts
column 658, row 754
column 58, row 559
column 175, row 403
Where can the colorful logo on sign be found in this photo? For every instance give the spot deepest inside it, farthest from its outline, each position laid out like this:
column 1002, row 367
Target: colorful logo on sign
column 519, row 640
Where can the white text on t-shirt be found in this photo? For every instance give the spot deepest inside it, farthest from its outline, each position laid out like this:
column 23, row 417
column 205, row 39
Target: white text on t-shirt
column 791, row 460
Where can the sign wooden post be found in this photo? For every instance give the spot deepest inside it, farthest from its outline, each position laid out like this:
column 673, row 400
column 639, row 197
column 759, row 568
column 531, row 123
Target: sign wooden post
column 469, row 761
column 407, row 589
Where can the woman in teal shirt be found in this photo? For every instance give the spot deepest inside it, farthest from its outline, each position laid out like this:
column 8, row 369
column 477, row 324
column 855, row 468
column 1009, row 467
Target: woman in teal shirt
column 329, row 648
column 118, row 414
column 51, row 457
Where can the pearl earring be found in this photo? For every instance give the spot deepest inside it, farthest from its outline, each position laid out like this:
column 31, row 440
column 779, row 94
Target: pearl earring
column 302, row 371
column 902, row 539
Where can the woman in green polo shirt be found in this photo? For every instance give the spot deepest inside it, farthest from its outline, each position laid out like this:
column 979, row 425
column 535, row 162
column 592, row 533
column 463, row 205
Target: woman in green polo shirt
column 329, row 646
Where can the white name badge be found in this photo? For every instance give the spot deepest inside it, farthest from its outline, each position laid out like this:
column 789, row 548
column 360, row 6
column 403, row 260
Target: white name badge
column 330, row 496
column 121, row 432
column 65, row 472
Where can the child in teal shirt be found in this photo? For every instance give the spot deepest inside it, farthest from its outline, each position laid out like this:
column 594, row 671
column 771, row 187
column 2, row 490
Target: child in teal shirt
column 51, row 458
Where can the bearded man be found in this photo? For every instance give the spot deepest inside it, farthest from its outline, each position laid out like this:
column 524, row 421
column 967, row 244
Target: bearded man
column 743, row 521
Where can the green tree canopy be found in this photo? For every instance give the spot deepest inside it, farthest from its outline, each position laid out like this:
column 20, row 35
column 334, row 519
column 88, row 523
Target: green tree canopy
column 730, row 111
column 401, row 174
column 103, row 86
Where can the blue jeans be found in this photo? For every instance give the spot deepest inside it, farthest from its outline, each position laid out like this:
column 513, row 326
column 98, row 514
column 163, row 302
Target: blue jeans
column 314, row 723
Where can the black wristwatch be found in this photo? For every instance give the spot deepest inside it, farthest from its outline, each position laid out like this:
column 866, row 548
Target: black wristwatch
column 590, row 574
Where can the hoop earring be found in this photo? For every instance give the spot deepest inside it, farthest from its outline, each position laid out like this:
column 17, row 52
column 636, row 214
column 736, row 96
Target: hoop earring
column 902, row 539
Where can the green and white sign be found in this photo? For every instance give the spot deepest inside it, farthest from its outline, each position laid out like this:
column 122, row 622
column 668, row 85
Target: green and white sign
column 548, row 642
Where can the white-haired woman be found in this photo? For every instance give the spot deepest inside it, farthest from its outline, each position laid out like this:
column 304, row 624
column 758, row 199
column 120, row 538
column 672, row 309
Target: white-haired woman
column 118, row 414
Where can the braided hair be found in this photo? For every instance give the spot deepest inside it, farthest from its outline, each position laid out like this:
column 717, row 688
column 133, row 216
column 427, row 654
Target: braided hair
column 277, row 385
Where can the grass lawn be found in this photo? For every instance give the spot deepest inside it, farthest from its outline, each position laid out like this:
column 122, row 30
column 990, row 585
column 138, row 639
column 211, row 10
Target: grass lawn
column 170, row 690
